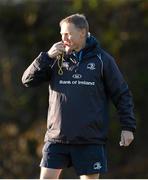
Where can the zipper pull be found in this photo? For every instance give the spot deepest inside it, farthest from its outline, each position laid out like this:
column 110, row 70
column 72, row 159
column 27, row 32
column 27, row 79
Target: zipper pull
column 74, row 61
column 77, row 65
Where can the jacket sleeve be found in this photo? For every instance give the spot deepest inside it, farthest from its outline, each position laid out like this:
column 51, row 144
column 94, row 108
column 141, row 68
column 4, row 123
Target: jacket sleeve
column 39, row 71
column 119, row 92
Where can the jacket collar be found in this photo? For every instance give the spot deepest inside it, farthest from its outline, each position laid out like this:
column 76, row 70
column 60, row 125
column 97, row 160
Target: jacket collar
column 91, row 48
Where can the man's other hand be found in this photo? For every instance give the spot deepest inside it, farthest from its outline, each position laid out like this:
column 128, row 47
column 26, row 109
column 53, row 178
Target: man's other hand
column 126, row 138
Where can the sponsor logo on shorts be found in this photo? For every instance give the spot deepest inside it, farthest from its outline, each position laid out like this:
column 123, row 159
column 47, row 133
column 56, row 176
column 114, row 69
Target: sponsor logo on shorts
column 97, row 165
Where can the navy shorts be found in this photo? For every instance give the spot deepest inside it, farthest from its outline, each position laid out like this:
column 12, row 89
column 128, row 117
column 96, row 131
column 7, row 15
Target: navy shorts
column 85, row 158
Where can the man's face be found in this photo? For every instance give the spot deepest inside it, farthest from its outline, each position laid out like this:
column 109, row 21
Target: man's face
column 72, row 37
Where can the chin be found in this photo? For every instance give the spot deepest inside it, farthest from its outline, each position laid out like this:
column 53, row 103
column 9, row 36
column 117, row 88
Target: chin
column 68, row 49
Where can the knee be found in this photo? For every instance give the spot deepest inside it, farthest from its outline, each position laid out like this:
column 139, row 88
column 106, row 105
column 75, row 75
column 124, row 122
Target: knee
column 90, row 176
column 49, row 176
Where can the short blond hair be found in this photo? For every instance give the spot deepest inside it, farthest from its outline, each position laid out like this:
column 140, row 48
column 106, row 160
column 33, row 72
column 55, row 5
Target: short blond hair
column 79, row 20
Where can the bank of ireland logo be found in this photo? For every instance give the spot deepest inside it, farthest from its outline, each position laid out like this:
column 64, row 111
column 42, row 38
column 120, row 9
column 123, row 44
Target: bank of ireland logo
column 91, row 66
column 97, row 165
column 77, row 76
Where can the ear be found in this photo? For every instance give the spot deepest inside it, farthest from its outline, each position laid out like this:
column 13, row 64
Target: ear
column 83, row 33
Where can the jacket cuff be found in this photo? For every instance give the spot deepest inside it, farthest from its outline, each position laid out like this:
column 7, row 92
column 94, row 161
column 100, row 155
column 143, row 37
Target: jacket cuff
column 44, row 60
column 129, row 129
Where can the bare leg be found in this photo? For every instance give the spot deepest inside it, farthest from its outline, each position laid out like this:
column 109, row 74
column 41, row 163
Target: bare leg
column 48, row 173
column 90, row 176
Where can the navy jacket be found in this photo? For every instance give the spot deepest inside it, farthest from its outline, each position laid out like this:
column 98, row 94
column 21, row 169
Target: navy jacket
column 78, row 99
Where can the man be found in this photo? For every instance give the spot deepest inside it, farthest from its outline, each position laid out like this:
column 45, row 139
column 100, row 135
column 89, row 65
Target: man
column 82, row 77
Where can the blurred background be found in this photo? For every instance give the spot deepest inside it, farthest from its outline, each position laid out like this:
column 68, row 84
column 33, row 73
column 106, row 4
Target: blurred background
column 28, row 27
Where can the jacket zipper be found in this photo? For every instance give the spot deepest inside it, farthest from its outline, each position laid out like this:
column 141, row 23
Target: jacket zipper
column 79, row 61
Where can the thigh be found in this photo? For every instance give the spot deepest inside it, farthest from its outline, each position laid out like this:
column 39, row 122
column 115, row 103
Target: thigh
column 55, row 156
column 48, row 173
column 89, row 159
